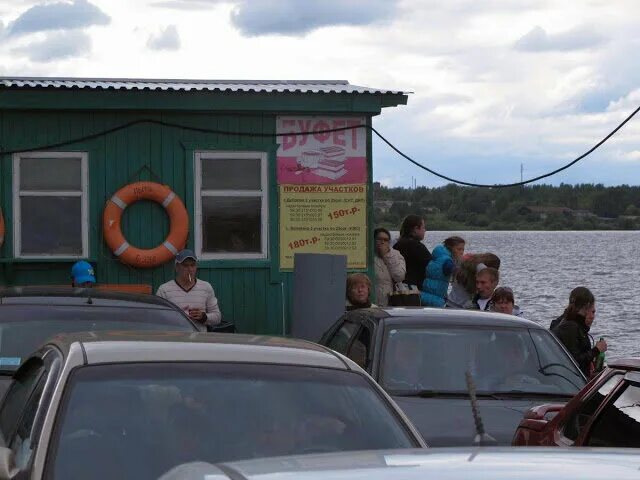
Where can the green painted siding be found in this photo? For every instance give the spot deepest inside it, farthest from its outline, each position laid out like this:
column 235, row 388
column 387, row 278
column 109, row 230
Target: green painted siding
column 250, row 292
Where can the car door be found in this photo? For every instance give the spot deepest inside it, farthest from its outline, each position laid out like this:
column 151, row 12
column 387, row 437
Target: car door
column 24, row 407
column 617, row 423
column 578, row 420
column 354, row 340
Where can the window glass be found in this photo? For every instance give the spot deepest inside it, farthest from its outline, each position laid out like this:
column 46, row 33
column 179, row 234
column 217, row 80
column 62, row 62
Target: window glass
column 51, row 174
column 22, row 441
column 359, row 350
column 51, row 225
column 579, row 419
column 618, row 425
column 341, row 339
column 232, row 224
column 501, row 360
column 231, row 174
column 152, row 417
column 17, row 395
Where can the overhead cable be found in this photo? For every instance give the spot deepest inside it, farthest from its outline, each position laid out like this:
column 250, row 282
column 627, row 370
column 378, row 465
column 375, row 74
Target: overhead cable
column 316, row 132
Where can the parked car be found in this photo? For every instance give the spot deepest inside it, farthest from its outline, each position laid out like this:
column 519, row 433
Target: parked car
column 420, row 356
column 605, row 413
column 121, row 405
column 30, row 315
column 434, row 463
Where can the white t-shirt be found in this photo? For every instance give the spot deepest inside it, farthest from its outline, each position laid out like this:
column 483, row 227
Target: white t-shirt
column 201, row 296
column 482, row 302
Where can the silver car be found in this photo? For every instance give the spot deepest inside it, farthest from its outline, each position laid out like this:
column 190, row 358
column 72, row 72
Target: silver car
column 435, row 463
column 124, row 405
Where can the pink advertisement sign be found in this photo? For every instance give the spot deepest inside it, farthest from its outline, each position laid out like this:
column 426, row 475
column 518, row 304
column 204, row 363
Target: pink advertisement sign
column 317, row 156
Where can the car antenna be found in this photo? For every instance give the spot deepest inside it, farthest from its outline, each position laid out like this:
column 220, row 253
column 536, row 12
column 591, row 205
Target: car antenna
column 482, row 439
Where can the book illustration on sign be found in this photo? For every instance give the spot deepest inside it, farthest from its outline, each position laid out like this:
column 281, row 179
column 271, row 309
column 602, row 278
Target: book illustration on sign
column 326, row 162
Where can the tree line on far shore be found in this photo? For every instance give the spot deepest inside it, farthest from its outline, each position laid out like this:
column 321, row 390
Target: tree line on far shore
column 535, row 207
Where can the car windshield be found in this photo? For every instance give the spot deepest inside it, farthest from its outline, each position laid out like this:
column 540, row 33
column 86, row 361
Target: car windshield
column 152, row 417
column 509, row 361
column 23, row 328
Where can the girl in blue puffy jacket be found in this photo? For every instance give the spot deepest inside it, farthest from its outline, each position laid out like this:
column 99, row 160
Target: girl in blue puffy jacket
column 445, row 257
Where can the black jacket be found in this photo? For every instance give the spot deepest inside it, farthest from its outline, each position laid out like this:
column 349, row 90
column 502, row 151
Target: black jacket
column 574, row 334
column 416, row 256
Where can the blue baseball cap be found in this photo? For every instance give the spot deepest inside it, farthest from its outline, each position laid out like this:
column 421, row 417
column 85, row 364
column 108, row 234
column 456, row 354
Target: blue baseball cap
column 82, row 272
column 184, row 254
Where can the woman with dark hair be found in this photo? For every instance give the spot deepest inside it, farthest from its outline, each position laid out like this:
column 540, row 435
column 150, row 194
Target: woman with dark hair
column 416, row 254
column 573, row 329
column 390, row 266
column 463, row 288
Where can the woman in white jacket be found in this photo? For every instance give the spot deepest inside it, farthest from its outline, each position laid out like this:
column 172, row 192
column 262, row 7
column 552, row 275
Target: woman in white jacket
column 390, row 266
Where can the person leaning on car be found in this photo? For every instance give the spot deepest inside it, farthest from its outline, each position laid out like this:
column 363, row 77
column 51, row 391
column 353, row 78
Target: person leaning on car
column 572, row 329
column 194, row 296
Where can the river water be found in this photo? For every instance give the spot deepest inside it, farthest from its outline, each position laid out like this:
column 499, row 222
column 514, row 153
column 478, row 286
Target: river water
column 543, row 267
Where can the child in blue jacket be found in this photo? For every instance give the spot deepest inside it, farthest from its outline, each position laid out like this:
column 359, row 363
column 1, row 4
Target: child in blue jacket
column 445, row 257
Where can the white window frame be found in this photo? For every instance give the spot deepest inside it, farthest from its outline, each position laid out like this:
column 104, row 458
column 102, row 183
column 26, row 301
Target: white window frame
column 18, row 193
column 263, row 193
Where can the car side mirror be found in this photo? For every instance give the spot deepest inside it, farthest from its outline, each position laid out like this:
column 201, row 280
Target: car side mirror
column 8, row 469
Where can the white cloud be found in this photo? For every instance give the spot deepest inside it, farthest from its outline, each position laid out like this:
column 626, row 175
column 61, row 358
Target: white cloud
column 57, row 46
column 538, row 40
column 167, row 39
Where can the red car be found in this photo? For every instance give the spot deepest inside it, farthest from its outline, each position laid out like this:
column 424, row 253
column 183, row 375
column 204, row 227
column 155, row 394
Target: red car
column 605, row 413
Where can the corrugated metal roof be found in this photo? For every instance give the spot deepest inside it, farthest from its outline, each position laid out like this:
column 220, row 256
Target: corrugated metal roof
column 265, row 86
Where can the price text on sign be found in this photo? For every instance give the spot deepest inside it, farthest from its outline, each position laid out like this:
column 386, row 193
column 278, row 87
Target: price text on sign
column 323, row 219
column 342, row 212
column 303, row 242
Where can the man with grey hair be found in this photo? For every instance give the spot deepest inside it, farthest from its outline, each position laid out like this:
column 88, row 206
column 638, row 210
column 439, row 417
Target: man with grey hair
column 196, row 297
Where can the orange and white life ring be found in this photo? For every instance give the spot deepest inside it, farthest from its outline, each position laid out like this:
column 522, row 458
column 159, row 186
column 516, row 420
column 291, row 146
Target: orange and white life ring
column 178, row 231
column 2, row 230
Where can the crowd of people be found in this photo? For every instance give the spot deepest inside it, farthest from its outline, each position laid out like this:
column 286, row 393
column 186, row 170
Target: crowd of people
column 446, row 278
column 450, row 278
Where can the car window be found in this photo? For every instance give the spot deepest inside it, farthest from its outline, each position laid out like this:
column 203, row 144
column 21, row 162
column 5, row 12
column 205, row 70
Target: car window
column 579, row 419
column 341, row 339
column 359, row 349
column 18, row 394
column 151, row 417
column 618, row 425
column 23, row 328
column 499, row 359
column 22, row 442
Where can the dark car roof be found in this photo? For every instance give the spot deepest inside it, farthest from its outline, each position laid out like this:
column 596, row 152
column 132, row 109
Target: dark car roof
column 440, row 316
column 42, row 295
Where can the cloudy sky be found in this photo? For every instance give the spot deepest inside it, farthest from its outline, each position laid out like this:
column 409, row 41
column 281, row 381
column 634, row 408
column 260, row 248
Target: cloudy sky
column 496, row 84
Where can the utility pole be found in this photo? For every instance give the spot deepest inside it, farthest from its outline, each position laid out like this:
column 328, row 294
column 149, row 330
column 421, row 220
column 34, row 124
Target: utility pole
column 521, row 171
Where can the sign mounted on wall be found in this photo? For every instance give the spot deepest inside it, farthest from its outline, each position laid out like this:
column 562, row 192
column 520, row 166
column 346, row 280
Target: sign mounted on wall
column 323, row 219
column 322, row 179
column 318, row 158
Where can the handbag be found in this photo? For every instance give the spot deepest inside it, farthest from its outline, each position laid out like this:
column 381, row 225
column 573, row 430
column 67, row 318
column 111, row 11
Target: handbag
column 403, row 296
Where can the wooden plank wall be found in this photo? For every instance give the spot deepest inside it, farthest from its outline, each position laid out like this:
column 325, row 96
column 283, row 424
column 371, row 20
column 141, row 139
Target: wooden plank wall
column 250, row 292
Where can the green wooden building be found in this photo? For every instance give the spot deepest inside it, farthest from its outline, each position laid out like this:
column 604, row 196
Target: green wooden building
column 67, row 145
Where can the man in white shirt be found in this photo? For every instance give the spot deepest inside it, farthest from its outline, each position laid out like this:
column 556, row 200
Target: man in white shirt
column 195, row 297
column 486, row 282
